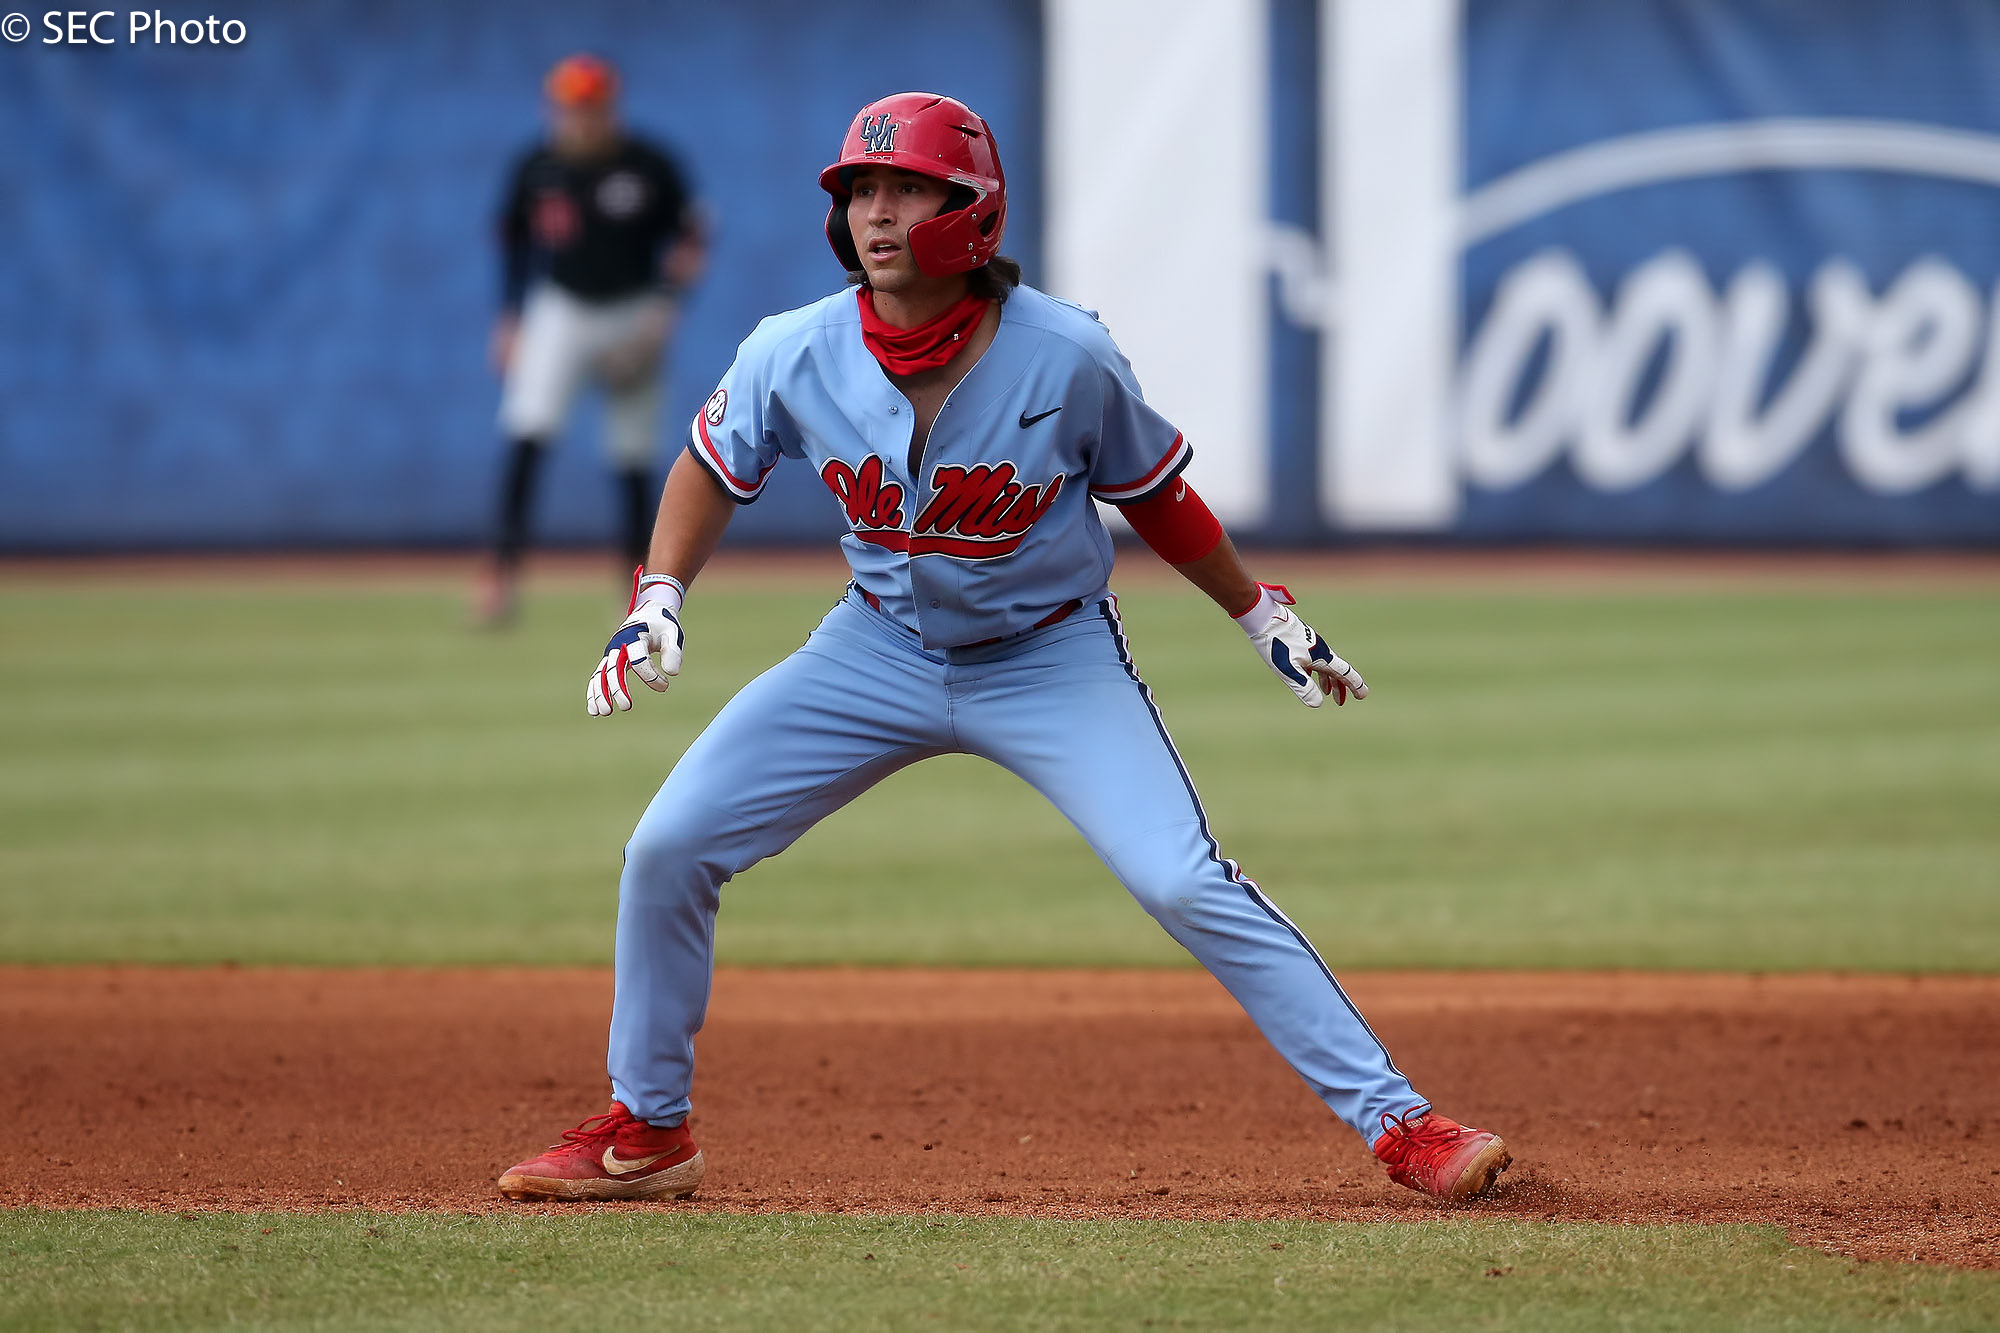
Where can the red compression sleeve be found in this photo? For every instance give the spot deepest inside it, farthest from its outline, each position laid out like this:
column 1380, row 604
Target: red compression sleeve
column 1175, row 523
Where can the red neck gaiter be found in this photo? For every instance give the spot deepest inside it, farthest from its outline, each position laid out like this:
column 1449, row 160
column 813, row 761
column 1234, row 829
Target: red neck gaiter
column 926, row 347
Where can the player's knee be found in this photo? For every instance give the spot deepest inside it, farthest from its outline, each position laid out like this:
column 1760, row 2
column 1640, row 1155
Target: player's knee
column 1167, row 878
column 1170, row 896
column 1168, row 903
column 675, row 851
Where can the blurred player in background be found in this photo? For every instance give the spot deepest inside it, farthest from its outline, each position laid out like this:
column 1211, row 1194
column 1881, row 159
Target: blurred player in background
column 599, row 236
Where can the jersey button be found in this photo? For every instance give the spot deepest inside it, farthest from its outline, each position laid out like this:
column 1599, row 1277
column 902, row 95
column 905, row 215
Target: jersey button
column 893, row 409
column 935, row 603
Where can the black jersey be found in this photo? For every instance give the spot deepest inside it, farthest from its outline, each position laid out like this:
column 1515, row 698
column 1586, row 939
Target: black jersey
column 596, row 228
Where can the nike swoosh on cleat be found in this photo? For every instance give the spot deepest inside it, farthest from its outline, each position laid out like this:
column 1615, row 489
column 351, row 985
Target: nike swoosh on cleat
column 618, row 1166
column 1027, row 421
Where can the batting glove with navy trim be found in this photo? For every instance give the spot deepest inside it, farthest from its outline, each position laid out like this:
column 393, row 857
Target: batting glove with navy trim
column 1296, row 651
column 651, row 627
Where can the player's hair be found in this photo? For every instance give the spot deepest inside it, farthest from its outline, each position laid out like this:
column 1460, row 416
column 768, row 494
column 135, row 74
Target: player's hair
column 994, row 280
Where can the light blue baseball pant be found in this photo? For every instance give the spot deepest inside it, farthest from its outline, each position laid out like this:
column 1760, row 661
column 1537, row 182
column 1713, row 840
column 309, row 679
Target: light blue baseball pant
column 1063, row 708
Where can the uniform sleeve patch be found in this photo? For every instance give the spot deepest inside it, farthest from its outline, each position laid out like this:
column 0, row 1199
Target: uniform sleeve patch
column 718, row 403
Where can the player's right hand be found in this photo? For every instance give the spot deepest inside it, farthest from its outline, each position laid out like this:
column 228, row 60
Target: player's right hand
column 651, row 628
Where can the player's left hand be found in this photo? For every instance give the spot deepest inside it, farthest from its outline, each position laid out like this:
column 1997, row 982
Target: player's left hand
column 1300, row 656
column 651, row 628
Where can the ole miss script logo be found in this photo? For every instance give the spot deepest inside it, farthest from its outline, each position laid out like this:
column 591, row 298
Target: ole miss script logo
column 975, row 513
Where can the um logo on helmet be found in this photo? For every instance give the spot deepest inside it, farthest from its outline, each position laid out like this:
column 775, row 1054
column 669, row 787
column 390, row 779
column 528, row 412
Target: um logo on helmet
column 879, row 133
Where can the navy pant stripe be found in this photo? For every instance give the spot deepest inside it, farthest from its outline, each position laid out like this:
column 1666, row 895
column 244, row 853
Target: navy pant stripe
column 1234, row 872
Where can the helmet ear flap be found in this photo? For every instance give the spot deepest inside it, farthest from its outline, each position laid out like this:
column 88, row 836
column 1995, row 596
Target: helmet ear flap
column 840, row 238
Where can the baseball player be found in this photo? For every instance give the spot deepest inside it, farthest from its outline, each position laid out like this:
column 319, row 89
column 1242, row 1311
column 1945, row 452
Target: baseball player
column 598, row 236
column 965, row 424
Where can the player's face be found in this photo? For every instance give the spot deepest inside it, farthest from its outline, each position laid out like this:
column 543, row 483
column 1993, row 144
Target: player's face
column 582, row 131
column 887, row 202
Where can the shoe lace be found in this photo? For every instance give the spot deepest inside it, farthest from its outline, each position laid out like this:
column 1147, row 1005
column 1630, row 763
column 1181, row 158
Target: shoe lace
column 596, row 1130
column 1415, row 1134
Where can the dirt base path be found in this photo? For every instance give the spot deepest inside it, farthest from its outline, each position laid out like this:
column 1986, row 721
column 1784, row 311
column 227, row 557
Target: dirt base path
column 1863, row 1114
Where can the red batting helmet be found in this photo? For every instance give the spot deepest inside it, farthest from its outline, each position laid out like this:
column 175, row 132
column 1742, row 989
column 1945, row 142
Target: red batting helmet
column 934, row 136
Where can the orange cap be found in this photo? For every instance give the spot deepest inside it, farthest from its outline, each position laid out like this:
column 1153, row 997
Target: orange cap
column 581, row 81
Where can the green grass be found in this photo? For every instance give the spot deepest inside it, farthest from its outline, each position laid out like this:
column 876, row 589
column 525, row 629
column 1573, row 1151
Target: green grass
column 1708, row 779
column 1730, row 779
column 676, row 1270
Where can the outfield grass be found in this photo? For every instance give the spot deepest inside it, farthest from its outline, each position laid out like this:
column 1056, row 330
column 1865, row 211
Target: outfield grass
column 673, row 1270
column 1706, row 779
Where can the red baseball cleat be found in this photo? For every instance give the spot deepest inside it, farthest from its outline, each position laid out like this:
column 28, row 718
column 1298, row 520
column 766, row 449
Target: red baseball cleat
column 611, row 1156
column 1441, row 1157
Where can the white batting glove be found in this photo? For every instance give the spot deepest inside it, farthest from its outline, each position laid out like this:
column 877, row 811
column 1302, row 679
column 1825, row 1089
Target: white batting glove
column 651, row 626
column 1297, row 653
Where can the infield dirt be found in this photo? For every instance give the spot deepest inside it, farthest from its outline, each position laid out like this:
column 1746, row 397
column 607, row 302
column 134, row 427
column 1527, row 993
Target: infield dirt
column 1861, row 1113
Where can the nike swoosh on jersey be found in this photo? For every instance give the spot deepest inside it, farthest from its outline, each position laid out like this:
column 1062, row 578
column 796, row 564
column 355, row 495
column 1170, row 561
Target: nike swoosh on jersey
column 1027, row 421
column 618, row 1166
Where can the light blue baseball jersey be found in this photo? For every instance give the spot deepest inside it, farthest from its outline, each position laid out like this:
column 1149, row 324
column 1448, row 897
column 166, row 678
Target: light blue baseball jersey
column 993, row 529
